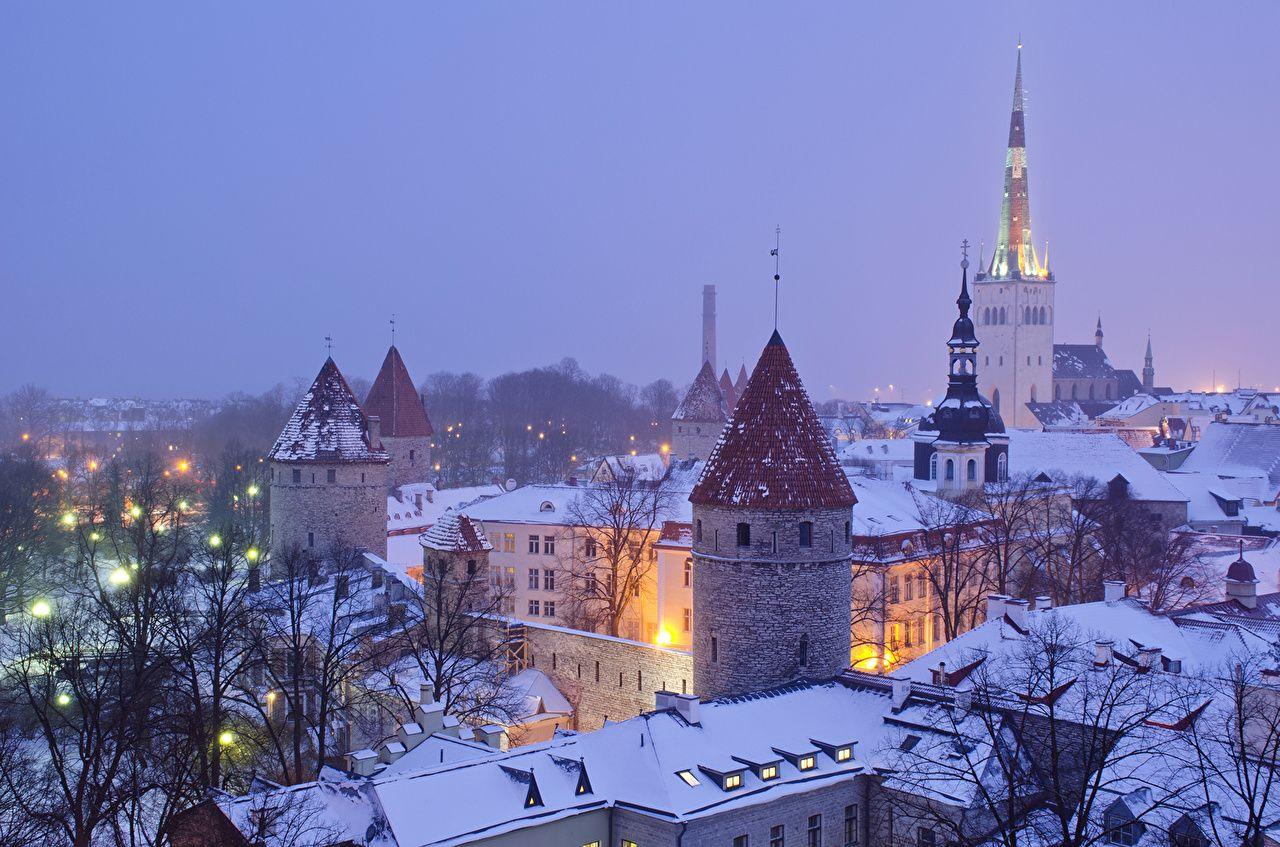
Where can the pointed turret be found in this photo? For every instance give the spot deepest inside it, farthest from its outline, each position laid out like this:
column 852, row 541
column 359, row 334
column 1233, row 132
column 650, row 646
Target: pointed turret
column 728, row 391
column 1097, row 334
column 1015, row 256
column 698, row 420
column 328, row 425
column 1148, row 369
column 740, row 384
column 406, row 429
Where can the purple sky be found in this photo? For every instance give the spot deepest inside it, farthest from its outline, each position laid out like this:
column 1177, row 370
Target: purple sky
column 193, row 199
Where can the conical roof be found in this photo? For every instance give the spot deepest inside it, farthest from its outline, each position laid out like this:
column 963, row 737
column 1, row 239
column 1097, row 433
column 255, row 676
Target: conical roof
column 774, row 453
column 703, row 401
column 740, row 384
column 395, row 401
column 727, row 391
column 455, row 533
column 327, row 426
column 1240, row 570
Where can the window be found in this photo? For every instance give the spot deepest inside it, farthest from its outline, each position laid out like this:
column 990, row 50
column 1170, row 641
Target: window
column 688, row 777
column 951, row 469
column 688, row 620
column 769, row 772
column 715, row 649
column 311, row 539
column 744, row 535
column 534, row 608
column 777, row 835
column 549, row 609
column 925, row 837
column 933, row 466
column 920, row 631
column 1122, row 828
column 697, row 531
column 844, row 754
column 331, row 475
column 893, row 588
column 411, row 456
column 815, row 830
column 548, row 545
column 549, row 579
column 920, row 585
column 907, row 584
column 806, row 533
column 627, row 842
column 848, row 531
column 741, row 841
column 971, row 471
column 806, row 763
column 688, row 572
column 471, row 567
column 533, row 544
column 1002, row 467
column 591, row 548
column 297, row 476
column 732, row 781
column 850, row 825
column 533, row 579
column 907, row 632
column 508, row 542
column 939, row 634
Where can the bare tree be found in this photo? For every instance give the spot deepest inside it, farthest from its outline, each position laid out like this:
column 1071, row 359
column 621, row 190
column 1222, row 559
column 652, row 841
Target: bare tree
column 29, row 499
column 1007, row 531
column 612, row 527
column 953, row 558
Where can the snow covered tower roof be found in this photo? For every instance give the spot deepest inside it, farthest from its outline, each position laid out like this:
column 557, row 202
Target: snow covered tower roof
column 395, row 401
column 455, row 533
column 774, row 453
column 328, row 425
column 703, row 401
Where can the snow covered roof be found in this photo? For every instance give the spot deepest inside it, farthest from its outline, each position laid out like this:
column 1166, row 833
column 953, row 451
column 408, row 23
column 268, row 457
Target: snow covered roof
column 703, row 401
column 649, row 467
column 1058, row 413
column 884, row 507
column 455, row 533
column 396, row 402
column 879, row 450
column 1238, row 449
column 327, row 426
column 550, row 504
column 774, row 453
column 129, row 414
column 1101, row 455
column 1129, row 407
column 1213, row 498
column 1081, row 361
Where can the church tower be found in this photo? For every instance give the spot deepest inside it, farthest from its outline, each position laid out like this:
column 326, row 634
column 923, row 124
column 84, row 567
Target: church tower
column 771, row 546
column 1148, row 370
column 406, row 429
column 1013, row 297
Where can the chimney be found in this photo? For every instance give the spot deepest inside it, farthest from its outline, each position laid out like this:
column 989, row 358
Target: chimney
column 1044, row 603
column 1112, row 590
column 687, row 705
column 995, row 606
column 494, row 736
column 362, row 762
column 901, row 690
column 1016, row 610
column 940, row 674
column 1149, row 658
column 431, row 717
column 390, row 751
column 664, row 700
column 417, row 500
column 410, row 735
column 375, row 431
column 1102, row 653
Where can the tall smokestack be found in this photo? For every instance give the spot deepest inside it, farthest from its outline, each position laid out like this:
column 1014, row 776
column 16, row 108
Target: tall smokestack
column 708, row 325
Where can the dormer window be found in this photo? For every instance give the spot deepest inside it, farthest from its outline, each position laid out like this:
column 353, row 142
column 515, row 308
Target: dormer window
column 547, row 506
column 769, row 772
column 806, row 763
column 688, row 778
column 843, row 754
column 732, row 781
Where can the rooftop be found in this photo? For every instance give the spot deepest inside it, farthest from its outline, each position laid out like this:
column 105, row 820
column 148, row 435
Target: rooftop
column 396, row 402
column 328, row 425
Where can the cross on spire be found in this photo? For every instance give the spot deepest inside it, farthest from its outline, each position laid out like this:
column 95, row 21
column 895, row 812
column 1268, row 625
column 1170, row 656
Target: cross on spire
column 964, row 253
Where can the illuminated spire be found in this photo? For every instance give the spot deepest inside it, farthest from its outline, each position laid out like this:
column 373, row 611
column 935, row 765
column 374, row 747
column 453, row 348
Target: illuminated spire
column 1015, row 255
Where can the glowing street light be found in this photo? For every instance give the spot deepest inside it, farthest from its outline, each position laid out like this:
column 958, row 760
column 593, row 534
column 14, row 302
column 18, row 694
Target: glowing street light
column 226, row 738
column 183, row 505
column 215, row 540
column 41, row 609
column 68, row 519
column 63, row 699
column 119, row 576
column 135, row 512
column 664, row 637
column 253, row 491
column 251, row 554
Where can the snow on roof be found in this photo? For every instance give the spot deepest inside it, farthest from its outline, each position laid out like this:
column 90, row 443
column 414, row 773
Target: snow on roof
column 455, row 533
column 327, row 426
column 774, row 453
column 649, row 467
column 1238, row 449
column 129, row 414
column 879, row 450
column 1101, row 455
column 884, row 507
column 396, row 402
column 550, row 504
column 703, row 401
column 1129, row 407
column 1209, row 495
column 1081, row 361
column 1059, row 413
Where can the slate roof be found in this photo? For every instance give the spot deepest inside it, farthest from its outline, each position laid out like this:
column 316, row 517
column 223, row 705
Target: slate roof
column 1238, row 449
column 774, row 453
column 327, row 426
column 455, row 533
column 1058, row 413
column 396, row 402
column 1081, row 361
column 703, row 401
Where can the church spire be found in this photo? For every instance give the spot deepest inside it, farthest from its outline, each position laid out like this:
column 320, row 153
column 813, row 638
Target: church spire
column 1015, row 256
column 1148, row 369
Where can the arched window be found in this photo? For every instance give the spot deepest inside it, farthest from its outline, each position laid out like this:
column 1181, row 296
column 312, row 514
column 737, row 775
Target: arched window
column 995, row 400
column 806, row 533
column 951, row 469
column 1002, row 467
column 1004, row 316
column 1043, row 314
column 971, row 472
column 1026, row 314
column 804, row 649
column 744, row 535
column 933, row 466
column 986, row 315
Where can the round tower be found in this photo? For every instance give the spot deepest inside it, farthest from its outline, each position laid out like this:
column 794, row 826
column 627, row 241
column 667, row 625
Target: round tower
column 455, row 561
column 771, row 547
column 329, row 473
column 406, row 429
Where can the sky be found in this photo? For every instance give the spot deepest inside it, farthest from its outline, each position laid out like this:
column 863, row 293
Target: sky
column 194, row 196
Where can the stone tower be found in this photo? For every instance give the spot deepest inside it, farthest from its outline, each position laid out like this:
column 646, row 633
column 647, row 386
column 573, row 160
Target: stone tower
column 771, row 513
column 708, row 326
column 329, row 473
column 698, row 420
column 1148, row 369
column 402, row 414
column 456, row 551
column 963, row 444
column 1013, row 297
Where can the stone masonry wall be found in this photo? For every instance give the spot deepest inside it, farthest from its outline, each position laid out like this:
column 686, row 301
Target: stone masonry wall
column 690, row 439
column 606, row 677
column 313, row 513
column 760, row 602
column 404, row 469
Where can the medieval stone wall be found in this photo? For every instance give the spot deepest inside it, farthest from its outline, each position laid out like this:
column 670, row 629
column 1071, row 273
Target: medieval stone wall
column 693, row 439
column 410, row 460
column 313, row 513
column 772, row 611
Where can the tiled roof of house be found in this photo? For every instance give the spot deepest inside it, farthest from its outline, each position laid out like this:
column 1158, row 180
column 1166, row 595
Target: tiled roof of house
column 396, row 402
column 327, row 426
column 703, row 401
column 774, row 453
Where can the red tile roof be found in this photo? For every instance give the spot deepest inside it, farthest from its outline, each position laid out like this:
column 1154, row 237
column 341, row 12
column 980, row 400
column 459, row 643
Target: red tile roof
column 774, row 453
column 396, row 402
column 327, row 426
column 727, row 391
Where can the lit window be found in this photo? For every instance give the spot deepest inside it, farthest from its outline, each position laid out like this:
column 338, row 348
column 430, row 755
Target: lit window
column 627, row 842
column 732, row 780
column 508, row 542
column 769, row 772
column 843, row 754
column 688, row 777
column 806, row 763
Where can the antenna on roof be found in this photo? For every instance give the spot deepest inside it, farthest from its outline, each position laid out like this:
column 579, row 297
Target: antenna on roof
column 328, row 343
column 777, row 261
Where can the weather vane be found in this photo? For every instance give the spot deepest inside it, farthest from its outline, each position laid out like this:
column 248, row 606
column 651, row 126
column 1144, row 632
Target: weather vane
column 328, row 343
column 776, row 253
column 393, row 329
column 964, row 253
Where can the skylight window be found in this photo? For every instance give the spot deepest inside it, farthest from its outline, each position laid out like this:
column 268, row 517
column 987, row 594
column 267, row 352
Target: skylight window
column 806, row 763
column 688, row 777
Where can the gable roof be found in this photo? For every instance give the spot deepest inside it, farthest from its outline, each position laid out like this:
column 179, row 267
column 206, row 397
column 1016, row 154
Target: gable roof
column 396, row 402
column 327, row 426
column 1238, row 449
column 774, row 453
column 1081, row 361
column 703, row 401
